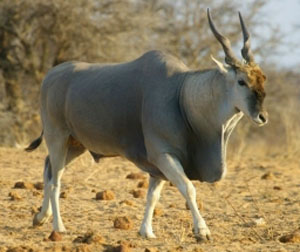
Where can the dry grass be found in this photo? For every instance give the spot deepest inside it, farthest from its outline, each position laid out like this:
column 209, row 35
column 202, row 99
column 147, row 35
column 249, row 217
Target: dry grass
column 232, row 208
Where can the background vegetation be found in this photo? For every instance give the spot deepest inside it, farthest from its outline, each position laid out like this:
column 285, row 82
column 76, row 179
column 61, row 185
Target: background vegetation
column 36, row 35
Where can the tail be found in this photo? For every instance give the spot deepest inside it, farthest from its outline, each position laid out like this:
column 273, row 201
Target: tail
column 36, row 143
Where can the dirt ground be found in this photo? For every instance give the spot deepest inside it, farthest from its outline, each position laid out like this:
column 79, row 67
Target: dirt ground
column 252, row 209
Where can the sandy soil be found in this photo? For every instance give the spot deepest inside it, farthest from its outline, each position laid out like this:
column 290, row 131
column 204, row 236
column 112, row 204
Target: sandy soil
column 244, row 212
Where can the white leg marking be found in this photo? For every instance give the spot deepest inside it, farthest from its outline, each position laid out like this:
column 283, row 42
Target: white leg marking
column 57, row 151
column 55, row 190
column 155, row 187
column 173, row 170
column 46, row 211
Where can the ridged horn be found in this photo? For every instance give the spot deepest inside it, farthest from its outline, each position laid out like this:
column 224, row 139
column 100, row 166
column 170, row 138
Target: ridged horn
column 230, row 58
column 246, row 51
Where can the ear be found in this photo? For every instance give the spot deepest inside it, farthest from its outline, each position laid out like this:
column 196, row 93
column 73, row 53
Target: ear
column 221, row 67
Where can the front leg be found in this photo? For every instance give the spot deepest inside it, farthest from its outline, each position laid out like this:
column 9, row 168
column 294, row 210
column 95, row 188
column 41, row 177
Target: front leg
column 154, row 189
column 173, row 171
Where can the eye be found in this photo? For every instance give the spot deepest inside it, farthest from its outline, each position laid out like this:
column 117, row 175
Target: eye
column 242, row 83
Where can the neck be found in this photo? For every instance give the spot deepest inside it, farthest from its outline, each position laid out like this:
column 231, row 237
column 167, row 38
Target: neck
column 205, row 101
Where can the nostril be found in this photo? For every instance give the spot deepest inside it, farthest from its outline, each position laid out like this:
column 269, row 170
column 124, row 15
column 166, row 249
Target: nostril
column 262, row 118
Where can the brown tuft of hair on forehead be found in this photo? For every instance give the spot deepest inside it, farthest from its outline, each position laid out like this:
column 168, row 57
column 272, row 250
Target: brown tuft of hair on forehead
column 255, row 76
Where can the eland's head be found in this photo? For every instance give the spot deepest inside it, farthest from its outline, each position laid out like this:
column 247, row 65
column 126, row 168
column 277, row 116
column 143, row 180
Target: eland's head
column 245, row 79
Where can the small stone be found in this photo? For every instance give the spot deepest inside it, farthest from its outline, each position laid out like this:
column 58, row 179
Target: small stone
column 138, row 193
column 79, row 248
column 19, row 249
column 23, row 185
column 281, row 250
column 105, row 195
column 55, row 236
column 36, row 193
column 143, row 184
column 122, row 248
column 136, row 176
column 151, row 250
column 268, row 176
column 89, row 238
column 127, row 244
column 259, row 222
column 63, row 195
column 293, row 237
column 39, row 185
column 197, row 250
column 123, row 223
column 277, row 188
column 172, row 205
column 158, row 212
column 127, row 202
column 14, row 196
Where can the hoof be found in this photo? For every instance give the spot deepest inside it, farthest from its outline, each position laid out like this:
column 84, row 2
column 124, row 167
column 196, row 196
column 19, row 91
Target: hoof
column 147, row 234
column 203, row 235
column 202, row 238
column 36, row 221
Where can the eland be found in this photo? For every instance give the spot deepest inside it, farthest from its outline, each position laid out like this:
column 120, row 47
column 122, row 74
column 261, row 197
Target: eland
column 171, row 122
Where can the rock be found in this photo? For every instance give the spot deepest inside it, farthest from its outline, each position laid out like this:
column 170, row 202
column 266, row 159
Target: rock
column 197, row 250
column 127, row 244
column 158, row 212
column 127, row 202
column 63, row 195
column 268, row 176
column 36, row 193
column 293, row 237
column 80, row 248
column 277, row 188
column 172, row 205
column 151, row 250
column 105, row 195
column 122, row 248
column 138, row 193
column 259, row 222
column 14, row 196
column 143, row 184
column 136, row 176
column 89, row 238
column 55, row 236
column 23, row 185
column 19, row 249
column 123, row 223
column 39, row 185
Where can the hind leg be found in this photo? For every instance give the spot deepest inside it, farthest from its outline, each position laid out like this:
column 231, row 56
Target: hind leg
column 57, row 147
column 155, row 187
column 62, row 154
column 46, row 211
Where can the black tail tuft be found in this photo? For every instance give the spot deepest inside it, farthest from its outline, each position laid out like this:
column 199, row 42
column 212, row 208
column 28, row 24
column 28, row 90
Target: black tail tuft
column 35, row 143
